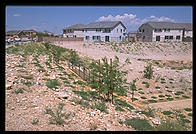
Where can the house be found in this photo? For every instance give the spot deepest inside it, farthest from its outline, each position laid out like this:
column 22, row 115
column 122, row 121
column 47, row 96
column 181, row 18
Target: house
column 187, row 31
column 103, row 31
column 165, row 31
column 134, row 36
column 13, row 34
column 76, row 30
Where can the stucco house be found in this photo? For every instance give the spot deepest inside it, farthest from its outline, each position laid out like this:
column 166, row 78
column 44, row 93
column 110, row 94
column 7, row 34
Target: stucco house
column 187, row 31
column 161, row 31
column 165, row 31
column 103, row 31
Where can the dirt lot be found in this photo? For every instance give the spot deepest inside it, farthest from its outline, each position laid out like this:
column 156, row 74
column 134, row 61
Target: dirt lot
column 171, row 86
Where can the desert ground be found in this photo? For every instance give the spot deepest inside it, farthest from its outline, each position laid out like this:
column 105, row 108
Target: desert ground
column 166, row 96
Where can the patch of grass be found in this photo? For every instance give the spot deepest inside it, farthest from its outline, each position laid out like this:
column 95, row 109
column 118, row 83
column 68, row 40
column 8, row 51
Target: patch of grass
column 188, row 109
column 143, row 97
column 124, row 104
column 152, row 101
column 100, row 106
column 190, row 114
column 56, row 117
column 170, row 99
column 35, row 122
column 184, row 96
column 161, row 96
column 167, row 112
column 147, row 85
column 138, row 124
column 157, row 87
column 52, row 83
column 170, row 126
column 118, row 108
column 141, row 92
column 19, row 90
column 83, row 94
column 83, row 103
column 154, row 97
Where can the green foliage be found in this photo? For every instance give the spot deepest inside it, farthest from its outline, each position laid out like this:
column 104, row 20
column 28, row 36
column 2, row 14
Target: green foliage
column 184, row 96
column 161, row 96
column 83, row 94
column 19, row 90
column 188, row 109
column 35, row 122
column 146, row 84
column 26, row 77
column 148, row 71
column 148, row 113
column 190, row 114
column 154, row 97
column 123, row 103
column 170, row 126
column 139, row 124
column 52, row 83
column 167, row 112
column 118, row 108
column 56, row 117
column 152, row 101
column 100, row 106
column 170, row 99
column 83, row 103
column 143, row 97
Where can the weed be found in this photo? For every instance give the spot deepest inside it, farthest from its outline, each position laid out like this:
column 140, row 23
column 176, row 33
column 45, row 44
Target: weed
column 56, row 118
column 138, row 124
column 188, row 109
column 35, row 122
column 184, row 96
column 161, row 96
column 19, row 90
column 152, row 101
column 83, row 103
column 140, row 89
column 170, row 99
column 147, row 85
column 170, row 126
column 52, row 83
column 143, row 97
column 118, row 108
column 167, row 112
column 154, row 97
column 123, row 103
column 100, row 106
column 27, row 83
column 157, row 87
column 141, row 92
column 169, row 91
column 26, row 77
column 168, row 95
column 190, row 114
column 83, row 94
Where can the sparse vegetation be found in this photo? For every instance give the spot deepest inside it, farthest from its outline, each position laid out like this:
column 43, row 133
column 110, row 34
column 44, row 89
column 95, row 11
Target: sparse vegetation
column 148, row 71
column 52, row 83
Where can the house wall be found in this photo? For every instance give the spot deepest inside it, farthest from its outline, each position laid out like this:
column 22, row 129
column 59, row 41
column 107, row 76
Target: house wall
column 188, row 33
column 114, row 35
column 147, row 34
column 162, row 35
column 77, row 33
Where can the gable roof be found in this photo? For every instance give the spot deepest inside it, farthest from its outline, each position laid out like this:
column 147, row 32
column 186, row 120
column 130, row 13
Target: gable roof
column 104, row 24
column 162, row 25
column 186, row 26
column 76, row 26
column 13, row 32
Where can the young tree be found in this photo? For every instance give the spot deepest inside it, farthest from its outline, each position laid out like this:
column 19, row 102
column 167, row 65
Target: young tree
column 148, row 71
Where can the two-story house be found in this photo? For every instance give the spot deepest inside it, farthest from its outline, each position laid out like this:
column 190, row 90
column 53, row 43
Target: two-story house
column 105, row 31
column 187, row 31
column 161, row 31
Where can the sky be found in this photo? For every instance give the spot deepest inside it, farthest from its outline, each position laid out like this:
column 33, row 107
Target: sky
column 55, row 18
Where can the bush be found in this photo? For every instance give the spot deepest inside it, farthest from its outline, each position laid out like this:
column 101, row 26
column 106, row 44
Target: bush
column 170, row 99
column 188, row 109
column 138, row 124
column 152, row 101
column 161, row 96
column 170, row 126
column 118, row 108
column 143, row 97
column 167, row 112
column 100, row 106
column 52, row 83
column 148, row 71
column 19, row 90
column 123, row 103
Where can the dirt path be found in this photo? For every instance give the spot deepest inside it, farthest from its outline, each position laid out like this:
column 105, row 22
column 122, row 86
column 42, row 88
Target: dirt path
column 179, row 104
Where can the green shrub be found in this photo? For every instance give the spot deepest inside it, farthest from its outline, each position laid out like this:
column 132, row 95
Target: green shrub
column 161, row 96
column 152, row 101
column 123, row 103
column 83, row 103
column 138, row 124
column 168, row 95
column 157, row 87
column 170, row 99
column 147, row 85
column 148, row 71
column 83, row 94
column 118, row 108
column 188, row 109
column 100, row 106
column 170, row 126
column 190, row 114
column 35, row 122
column 19, row 90
column 143, row 97
column 167, row 112
column 26, row 77
column 141, row 92
column 184, row 96
column 154, row 97
column 52, row 83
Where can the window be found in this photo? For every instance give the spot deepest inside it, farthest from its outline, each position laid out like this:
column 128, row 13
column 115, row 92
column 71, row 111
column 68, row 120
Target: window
column 121, row 30
column 143, row 37
column 171, row 37
column 87, row 37
column 143, row 30
column 94, row 37
column 157, row 30
column 140, row 30
column 98, row 30
column 67, row 36
column 120, row 37
column 98, row 38
column 166, row 30
column 124, row 30
column 117, row 30
column 166, row 37
column 177, row 37
column 107, row 30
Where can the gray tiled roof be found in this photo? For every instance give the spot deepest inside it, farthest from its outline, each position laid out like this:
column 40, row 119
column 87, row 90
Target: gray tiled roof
column 12, row 32
column 186, row 26
column 103, row 24
column 76, row 26
column 162, row 25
